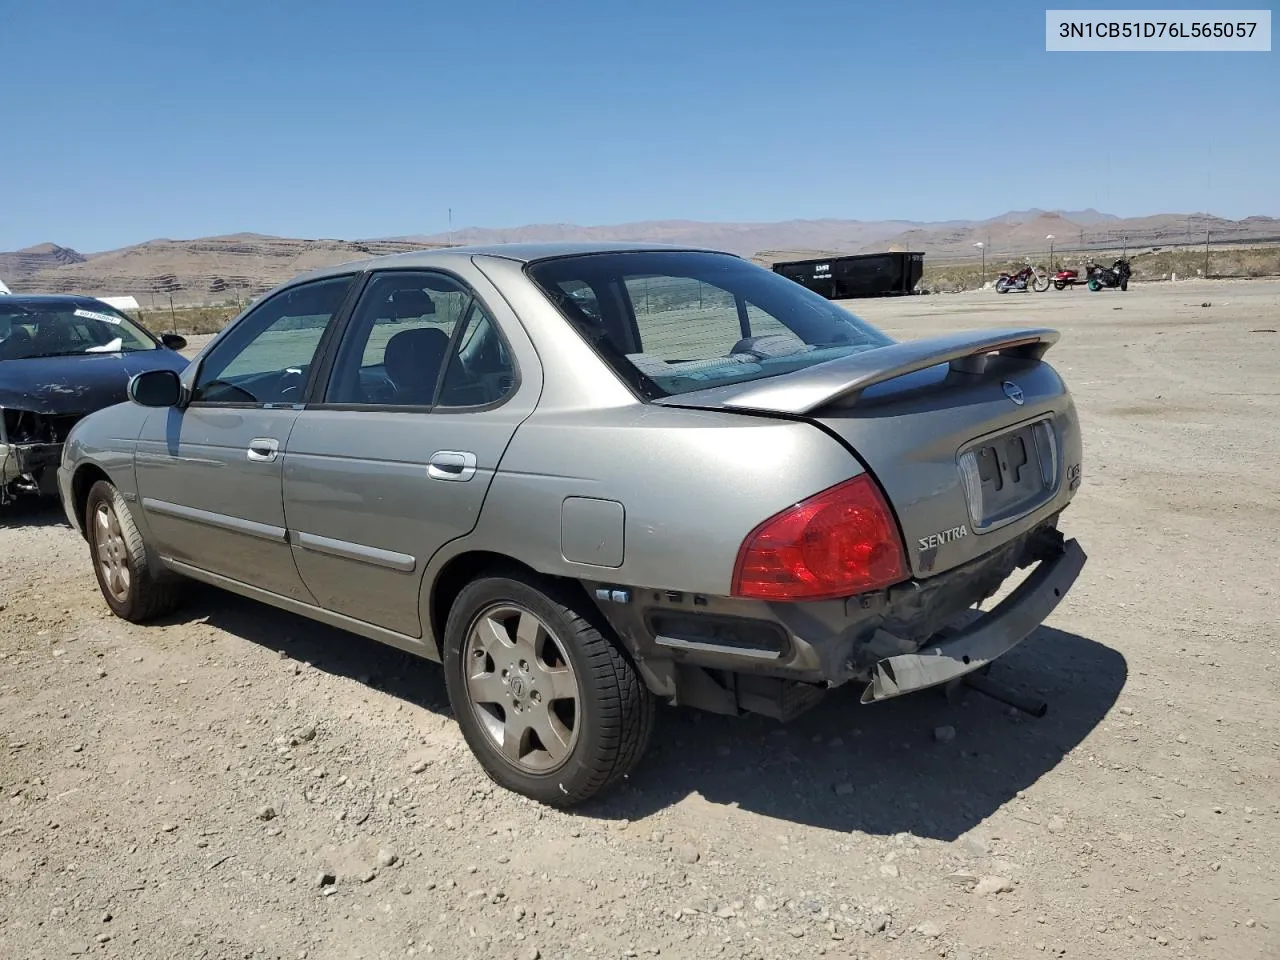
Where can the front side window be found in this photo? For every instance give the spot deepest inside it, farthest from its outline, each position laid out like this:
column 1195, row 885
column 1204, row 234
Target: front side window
column 672, row 322
column 267, row 356
column 55, row 328
column 418, row 338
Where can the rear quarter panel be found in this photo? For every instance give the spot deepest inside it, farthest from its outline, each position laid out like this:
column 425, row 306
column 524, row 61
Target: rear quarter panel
column 691, row 484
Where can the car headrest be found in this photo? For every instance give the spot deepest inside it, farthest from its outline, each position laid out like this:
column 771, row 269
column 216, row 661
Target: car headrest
column 412, row 360
column 411, row 303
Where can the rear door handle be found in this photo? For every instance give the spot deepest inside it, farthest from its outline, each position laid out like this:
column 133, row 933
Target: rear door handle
column 263, row 449
column 451, row 465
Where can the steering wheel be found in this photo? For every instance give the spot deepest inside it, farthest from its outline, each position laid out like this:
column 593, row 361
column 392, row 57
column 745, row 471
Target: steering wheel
column 231, row 387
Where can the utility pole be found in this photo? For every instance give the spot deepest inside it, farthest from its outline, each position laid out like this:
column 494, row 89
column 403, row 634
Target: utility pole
column 451, row 226
column 1206, row 253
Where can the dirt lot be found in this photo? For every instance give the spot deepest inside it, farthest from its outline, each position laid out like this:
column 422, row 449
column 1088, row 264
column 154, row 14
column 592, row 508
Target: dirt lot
column 191, row 789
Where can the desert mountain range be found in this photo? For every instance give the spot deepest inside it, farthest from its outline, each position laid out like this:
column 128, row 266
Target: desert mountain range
column 240, row 266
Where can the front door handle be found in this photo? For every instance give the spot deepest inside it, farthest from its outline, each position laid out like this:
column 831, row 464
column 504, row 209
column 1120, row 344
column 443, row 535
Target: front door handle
column 263, row 449
column 451, row 465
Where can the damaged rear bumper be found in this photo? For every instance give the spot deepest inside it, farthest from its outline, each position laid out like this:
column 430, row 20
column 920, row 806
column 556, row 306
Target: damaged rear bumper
column 994, row 634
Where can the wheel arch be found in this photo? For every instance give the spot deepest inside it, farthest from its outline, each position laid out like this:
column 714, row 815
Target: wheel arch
column 82, row 481
column 464, row 567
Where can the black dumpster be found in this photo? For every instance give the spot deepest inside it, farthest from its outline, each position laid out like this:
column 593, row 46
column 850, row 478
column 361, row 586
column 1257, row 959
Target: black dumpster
column 857, row 275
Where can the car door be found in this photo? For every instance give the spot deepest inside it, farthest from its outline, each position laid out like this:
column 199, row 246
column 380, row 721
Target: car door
column 396, row 458
column 209, row 472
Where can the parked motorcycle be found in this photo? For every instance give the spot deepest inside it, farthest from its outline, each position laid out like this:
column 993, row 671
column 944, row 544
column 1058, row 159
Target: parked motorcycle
column 1028, row 277
column 1116, row 275
column 1065, row 278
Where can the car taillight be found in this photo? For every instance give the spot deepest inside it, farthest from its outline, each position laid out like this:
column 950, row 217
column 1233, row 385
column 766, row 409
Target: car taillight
column 840, row 542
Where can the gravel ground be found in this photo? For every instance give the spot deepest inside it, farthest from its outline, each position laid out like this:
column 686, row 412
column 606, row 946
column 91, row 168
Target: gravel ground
column 238, row 782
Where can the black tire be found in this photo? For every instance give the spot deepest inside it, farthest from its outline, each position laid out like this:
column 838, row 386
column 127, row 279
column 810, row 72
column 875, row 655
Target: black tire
column 614, row 712
column 147, row 594
column 1059, row 285
column 1124, row 284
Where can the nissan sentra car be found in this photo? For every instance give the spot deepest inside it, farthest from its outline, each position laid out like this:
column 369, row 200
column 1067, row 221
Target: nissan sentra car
column 61, row 357
column 588, row 478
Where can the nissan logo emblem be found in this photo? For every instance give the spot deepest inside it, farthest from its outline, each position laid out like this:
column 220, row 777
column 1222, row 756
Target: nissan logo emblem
column 1013, row 392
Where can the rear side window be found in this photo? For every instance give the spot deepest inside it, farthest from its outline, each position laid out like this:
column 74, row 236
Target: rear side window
column 673, row 322
column 418, row 338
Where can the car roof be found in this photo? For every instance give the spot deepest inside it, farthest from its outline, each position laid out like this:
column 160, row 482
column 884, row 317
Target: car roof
column 518, row 252
column 37, row 298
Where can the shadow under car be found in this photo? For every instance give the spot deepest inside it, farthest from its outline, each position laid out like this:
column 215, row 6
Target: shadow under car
column 842, row 765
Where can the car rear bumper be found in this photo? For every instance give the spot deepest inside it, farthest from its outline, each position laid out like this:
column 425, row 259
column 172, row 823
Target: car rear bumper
column 992, row 635
column 914, row 635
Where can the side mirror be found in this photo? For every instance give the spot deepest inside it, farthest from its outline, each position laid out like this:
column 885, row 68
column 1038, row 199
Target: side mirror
column 173, row 341
column 155, row 388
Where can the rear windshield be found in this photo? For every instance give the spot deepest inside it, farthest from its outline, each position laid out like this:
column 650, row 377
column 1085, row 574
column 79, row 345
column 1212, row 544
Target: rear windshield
column 673, row 322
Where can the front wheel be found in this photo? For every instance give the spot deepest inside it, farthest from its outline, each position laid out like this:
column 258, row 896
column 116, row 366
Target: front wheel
column 133, row 588
column 549, row 705
column 1124, row 284
column 1040, row 284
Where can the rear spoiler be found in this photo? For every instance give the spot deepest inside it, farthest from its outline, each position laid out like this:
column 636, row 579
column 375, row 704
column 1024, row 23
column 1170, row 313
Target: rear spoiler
column 844, row 379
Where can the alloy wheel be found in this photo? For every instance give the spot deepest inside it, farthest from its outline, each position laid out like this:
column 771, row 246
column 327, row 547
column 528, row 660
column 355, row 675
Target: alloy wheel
column 112, row 552
column 522, row 687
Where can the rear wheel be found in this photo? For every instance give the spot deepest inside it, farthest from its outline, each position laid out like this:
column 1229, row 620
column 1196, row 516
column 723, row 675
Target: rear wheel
column 550, row 706
column 1059, row 284
column 1002, row 286
column 128, row 581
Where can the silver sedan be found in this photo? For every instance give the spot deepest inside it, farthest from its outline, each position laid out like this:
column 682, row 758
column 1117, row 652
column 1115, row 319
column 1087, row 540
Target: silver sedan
column 589, row 478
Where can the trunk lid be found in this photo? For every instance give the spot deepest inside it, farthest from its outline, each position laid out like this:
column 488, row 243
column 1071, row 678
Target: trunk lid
column 972, row 437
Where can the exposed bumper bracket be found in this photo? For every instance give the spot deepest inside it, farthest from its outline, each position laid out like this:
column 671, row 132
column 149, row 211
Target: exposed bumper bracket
column 989, row 637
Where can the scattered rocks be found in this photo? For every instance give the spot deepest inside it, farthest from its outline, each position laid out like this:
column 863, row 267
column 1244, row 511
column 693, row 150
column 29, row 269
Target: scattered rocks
column 689, row 854
column 888, row 870
column 991, row 886
column 930, row 930
column 1056, row 825
column 963, row 879
column 266, row 813
column 325, row 879
column 386, row 858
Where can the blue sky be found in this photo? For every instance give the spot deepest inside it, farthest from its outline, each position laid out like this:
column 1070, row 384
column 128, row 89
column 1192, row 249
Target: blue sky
column 134, row 120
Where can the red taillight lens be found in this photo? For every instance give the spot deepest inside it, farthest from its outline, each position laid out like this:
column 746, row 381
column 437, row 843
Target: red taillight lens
column 840, row 542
